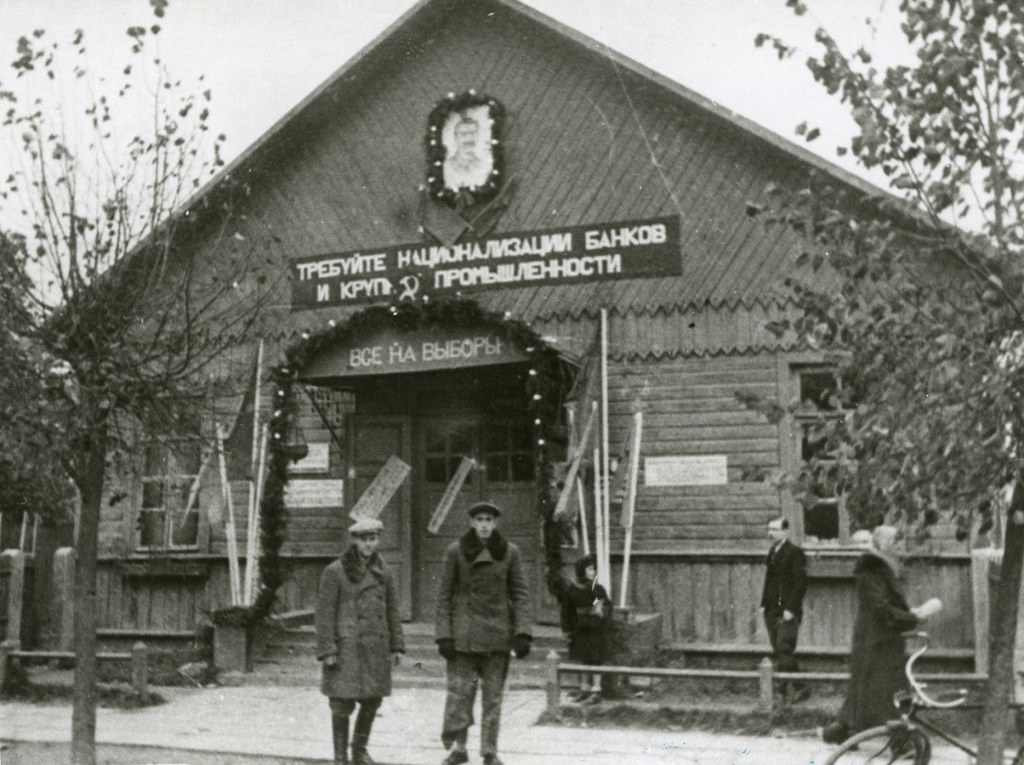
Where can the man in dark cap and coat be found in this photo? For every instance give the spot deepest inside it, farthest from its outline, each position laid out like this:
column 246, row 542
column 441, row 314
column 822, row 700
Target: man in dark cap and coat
column 782, row 602
column 358, row 638
column 483, row 611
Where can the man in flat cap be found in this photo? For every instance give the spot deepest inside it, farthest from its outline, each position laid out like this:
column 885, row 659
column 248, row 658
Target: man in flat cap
column 483, row 612
column 358, row 638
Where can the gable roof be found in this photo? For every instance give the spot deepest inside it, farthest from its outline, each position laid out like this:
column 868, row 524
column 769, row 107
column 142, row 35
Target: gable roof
column 706, row 177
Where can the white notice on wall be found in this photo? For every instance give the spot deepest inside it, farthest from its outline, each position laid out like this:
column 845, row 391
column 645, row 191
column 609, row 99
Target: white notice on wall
column 316, row 461
column 314, row 493
column 702, row 470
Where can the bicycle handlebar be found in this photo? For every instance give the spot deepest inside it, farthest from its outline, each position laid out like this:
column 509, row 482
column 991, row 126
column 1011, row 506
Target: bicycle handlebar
column 918, row 686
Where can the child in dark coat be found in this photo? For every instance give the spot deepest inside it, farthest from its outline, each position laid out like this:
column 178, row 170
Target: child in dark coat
column 586, row 620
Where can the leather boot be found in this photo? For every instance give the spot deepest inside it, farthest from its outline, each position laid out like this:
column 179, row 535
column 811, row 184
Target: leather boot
column 361, row 735
column 339, row 727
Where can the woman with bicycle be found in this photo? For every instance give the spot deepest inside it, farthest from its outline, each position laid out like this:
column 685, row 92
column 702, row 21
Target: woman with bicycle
column 877, row 656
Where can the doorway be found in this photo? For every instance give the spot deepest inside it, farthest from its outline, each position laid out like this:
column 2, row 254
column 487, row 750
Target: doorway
column 504, row 474
column 432, row 421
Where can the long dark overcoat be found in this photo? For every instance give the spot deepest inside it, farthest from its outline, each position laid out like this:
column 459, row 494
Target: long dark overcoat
column 877, row 659
column 482, row 600
column 587, row 623
column 357, row 621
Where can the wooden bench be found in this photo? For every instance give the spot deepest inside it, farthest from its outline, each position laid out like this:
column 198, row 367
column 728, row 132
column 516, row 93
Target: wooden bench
column 139, row 657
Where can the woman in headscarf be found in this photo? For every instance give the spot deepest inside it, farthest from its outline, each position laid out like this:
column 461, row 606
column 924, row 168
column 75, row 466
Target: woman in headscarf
column 877, row 657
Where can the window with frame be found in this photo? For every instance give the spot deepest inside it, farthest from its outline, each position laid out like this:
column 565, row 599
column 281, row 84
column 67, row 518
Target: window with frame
column 818, row 418
column 169, row 508
column 508, row 452
column 444, row 447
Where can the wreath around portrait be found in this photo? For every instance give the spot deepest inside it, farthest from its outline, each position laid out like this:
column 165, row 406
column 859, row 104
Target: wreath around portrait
column 437, row 153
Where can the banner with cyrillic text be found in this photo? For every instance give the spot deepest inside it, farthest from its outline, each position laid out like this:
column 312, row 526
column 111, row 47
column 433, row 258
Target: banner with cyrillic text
column 625, row 250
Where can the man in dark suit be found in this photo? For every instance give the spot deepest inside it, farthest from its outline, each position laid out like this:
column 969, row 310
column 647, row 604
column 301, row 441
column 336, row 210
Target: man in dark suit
column 785, row 582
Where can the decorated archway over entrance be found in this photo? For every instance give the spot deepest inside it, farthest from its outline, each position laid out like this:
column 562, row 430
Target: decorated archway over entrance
column 470, row 333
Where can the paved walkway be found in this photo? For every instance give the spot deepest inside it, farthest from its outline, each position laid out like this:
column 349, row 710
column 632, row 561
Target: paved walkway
column 295, row 722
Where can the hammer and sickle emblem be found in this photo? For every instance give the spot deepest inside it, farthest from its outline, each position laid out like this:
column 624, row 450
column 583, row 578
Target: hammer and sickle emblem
column 410, row 287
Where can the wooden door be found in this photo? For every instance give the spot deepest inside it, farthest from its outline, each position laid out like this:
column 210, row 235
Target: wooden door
column 502, row 448
column 371, row 441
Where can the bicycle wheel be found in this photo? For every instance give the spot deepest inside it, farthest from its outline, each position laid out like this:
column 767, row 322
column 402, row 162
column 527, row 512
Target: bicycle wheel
column 883, row 745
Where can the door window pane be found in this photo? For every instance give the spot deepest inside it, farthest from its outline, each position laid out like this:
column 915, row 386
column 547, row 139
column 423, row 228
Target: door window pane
column 508, row 452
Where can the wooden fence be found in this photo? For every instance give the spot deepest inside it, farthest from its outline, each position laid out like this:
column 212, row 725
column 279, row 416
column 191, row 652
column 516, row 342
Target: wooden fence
column 764, row 676
column 712, row 600
column 709, row 603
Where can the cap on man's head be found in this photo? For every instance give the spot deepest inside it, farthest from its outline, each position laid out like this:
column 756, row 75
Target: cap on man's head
column 365, row 526
column 483, row 507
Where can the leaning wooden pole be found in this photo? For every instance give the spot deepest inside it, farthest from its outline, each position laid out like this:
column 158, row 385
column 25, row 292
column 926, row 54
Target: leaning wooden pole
column 253, row 509
column 252, row 539
column 605, row 563
column 582, row 501
column 629, row 504
column 602, row 573
column 229, row 528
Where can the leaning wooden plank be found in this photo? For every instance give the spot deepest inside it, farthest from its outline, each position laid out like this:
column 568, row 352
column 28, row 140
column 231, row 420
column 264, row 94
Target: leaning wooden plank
column 381, row 489
column 563, row 506
column 450, row 493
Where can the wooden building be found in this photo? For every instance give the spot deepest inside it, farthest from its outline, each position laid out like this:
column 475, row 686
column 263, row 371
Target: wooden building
column 603, row 186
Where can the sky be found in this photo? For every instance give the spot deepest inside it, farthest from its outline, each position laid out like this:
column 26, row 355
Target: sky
column 261, row 57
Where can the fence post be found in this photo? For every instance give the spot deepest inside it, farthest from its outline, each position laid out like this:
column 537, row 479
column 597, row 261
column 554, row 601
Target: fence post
column 63, row 598
column 15, row 594
column 554, row 691
column 979, row 591
column 140, row 669
column 6, row 647
column 766, row 683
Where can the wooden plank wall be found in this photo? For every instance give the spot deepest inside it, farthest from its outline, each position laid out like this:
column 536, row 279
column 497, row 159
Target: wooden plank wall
column 690, row 408
column 180, row 603
column 311, row 530
column 703, row 600
column 715, row 600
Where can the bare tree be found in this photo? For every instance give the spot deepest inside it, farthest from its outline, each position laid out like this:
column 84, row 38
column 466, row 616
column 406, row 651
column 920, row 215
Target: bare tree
column 135, row 294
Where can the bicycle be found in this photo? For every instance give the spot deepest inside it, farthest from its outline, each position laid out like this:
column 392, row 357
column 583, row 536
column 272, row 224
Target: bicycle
column 906, row 740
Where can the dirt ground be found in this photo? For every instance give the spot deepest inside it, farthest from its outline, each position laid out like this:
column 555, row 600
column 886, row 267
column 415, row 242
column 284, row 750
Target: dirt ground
column 20, row 753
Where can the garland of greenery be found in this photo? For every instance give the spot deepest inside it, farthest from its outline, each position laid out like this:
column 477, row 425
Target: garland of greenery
column 543, row 386
column 436, row 151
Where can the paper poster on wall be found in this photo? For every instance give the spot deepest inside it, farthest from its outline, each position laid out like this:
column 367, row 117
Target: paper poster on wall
column 317, row 460
column 314, row 493
column 700, row 470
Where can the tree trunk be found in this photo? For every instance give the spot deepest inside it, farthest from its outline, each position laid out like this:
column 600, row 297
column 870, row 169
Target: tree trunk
column 83, row 715
column 1002, row 636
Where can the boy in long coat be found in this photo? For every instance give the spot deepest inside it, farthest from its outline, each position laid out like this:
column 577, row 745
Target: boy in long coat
column 877, row 660
column 358, row 638
column 586, row 612
column 483, row 610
